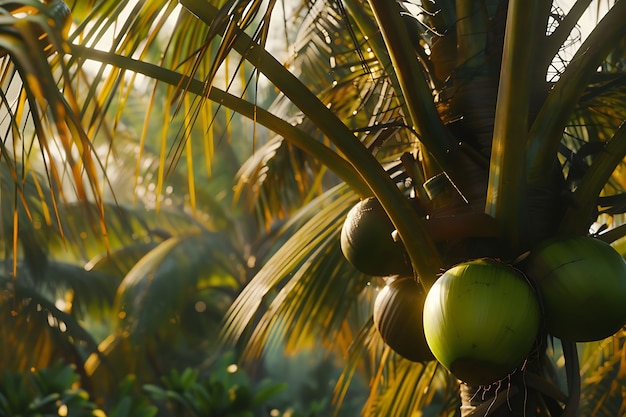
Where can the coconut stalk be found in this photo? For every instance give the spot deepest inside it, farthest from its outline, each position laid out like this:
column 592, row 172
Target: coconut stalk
column 440, row 146
column 507, row 181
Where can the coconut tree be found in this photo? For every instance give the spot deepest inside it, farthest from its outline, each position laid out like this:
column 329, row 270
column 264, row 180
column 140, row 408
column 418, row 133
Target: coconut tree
column 468, row 122
column 482, row 123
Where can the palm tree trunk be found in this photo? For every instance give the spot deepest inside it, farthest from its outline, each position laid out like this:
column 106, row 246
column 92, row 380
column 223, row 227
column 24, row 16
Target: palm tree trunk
column 525, row 393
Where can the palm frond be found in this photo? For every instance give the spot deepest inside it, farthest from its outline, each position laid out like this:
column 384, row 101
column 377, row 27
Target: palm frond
column 589, row 141
column 547, row 128
column 44, row 131
column 374, row 113
column 398, row 387
column 166, row 277
column 408, row 387
column 276, row 180
column 305, row 288
column 184, row 284
column 86, row 293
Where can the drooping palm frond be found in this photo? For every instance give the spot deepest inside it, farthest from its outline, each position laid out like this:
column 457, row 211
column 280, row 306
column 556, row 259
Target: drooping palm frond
column 152, row 291
column 168, row 307
column 305, row 288
column 407, row 387
column 42, row 111
column 397, row 386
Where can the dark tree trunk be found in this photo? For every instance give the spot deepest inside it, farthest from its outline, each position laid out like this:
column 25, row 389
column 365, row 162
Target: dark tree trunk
column 528, row 392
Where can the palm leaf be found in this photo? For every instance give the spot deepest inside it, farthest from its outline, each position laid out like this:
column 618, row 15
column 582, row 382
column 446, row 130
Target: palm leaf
column 43, row 110
column 588, row 142
column 154, row 290
column 267, row 186
column 180, row 286
column 409, row 388
column 28, row 217
column 127, row 226
column 547, row 129
column 119, row 262
column 89, row 292
column 296, row 288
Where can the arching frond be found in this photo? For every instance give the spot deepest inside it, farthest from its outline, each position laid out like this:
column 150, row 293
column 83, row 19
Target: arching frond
column 43, row 111
column 180, row 286
column 305, row 288
column 153, row 290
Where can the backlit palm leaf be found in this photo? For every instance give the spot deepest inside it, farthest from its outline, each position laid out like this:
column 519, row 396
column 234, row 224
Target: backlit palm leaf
column 593, row 153
column 153, row 290
column 44, row 103
column 305, row 288
column 168, row 308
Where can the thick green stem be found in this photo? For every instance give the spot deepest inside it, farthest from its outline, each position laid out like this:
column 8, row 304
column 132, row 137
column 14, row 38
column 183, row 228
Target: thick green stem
column 438, row 141
column 421, row 248
column 471, row 29
column 505, row 197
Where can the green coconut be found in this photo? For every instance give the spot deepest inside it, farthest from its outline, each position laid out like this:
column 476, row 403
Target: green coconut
column 481, row 319
column 398, row 313
column 367, row 242
column 582, row 282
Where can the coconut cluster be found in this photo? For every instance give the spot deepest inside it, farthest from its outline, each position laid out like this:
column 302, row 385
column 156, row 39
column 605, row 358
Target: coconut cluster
column 481, row 319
